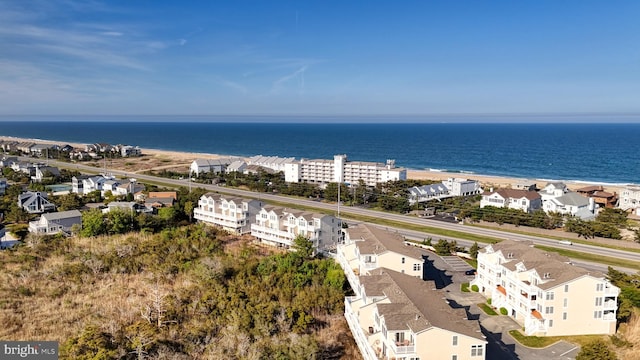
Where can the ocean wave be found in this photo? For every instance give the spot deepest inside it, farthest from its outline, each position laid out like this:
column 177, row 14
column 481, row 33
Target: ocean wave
column 451, row 171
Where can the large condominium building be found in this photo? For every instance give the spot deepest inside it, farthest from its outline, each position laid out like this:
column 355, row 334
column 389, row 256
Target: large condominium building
column 630, row 199
column 232, row 214
column 341, row 170
column 397, row 316
column 368, row 247
column 279, row 227
column 544, row 292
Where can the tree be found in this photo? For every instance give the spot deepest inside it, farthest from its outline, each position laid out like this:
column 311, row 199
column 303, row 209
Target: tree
column 119, row 221
column 93, row 223
column 473, row 251
column 69, row 201
column 596, row 350
column 188, row 209
column 442, row 247
column 303, row 247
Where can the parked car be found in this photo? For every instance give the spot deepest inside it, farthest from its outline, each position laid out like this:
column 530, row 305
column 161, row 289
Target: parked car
column 565, row 242
column 470, row 272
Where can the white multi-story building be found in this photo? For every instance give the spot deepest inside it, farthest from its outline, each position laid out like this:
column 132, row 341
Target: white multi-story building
column 232, row 214
column 57, row 222
column 448, row 188
column 279, row 227
column 527, row 201
column 84, row 184
column 274, row 163
column 630, row 199
column 216, row 166
column 397, row 316
column 553, row 190
column 367, row 247
column 544, row 292
column 339, row 169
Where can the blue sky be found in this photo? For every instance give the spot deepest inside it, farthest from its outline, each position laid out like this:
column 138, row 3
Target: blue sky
column 319, row 57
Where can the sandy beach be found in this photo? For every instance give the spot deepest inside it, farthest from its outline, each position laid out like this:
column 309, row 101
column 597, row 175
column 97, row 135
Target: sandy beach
column 179, row 161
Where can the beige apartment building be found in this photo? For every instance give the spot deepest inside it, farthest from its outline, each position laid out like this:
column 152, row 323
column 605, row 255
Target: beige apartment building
column 398, row 316
column 279, row 227
column 544, row 292
column 230, row 213
column 367, row 247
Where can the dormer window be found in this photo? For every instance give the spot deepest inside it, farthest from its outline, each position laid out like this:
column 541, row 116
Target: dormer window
column 546, row 276
column 510, row 255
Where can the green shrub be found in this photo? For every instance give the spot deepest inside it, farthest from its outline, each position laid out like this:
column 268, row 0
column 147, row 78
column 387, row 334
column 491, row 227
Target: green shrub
column 475, row 288
column 489, row 301
column 504, row 311
column 465, row 287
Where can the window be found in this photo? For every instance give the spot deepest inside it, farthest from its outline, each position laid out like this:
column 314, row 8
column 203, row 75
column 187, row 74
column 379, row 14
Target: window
column 551, row 323
column 599, row 287
column 416, row 267
column 598, row 301
column 549, row 296
column 564, row 316
column 477, row 350
column 548, row 310
column 403, row 260
column 454, row 357
column 597, row 314
column 566, row 303
column 455, row 340
column 566, row 288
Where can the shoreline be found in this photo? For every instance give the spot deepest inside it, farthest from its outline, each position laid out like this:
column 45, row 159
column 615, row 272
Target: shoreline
column 486, row 181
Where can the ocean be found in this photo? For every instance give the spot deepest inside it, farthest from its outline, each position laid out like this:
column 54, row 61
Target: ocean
column 588, row 152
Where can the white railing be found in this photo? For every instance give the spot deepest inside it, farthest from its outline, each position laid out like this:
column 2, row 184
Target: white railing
column 358, row 333
column 611, row 291
column 610, row 305
column 370, row 265
column 403, row 349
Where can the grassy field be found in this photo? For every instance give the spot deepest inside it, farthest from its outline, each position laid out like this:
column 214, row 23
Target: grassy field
column 592, row 257
column 544, row 341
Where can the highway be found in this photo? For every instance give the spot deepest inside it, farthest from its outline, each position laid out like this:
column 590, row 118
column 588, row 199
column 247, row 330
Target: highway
column 350, row 210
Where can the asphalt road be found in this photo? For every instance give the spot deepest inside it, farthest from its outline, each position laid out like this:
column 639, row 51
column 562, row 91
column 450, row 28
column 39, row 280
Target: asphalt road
column 497, row 234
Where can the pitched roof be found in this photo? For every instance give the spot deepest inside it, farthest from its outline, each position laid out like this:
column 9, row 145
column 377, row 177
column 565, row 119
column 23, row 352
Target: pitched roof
column 557, row 267
column 61, row 215
column 416, row 304
column 515, row 194
column 574, row 199
column 371, row 239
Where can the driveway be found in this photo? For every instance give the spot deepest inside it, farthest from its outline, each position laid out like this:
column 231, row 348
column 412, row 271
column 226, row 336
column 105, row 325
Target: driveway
column 448, row 271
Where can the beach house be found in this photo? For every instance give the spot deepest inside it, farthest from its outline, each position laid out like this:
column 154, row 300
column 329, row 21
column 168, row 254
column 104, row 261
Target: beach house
column 544, row 293
column 398, row 316
column 279, row 227
column 230, row 213
column 630, row 199
column 525, row 200
column 56, row 222
column 216, row 166
column 35, row 202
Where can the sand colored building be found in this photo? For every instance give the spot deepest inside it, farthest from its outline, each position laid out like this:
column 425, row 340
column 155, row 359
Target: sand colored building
column 397, row 316
column 544, row 292
column 367, row 247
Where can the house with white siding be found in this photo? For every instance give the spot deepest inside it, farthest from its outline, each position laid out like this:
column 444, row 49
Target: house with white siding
column 233, row 214
column 279, row 227
column 274, row 163
column 630, row 199
column 398, row 316
column 571, row 203
column 448, row 188
column 527, row 201
column 544, row 293
column 56, row 222
column 216, row 166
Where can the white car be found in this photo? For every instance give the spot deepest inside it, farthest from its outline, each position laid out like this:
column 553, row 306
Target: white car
column 565, row 242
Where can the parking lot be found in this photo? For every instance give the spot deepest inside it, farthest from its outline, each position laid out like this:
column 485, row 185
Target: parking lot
column 450, row 272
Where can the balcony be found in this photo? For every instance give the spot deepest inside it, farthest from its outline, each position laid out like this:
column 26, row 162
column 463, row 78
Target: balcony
column 610, row 305
column 403, row 348
column 611, row 291
column 371, row 265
